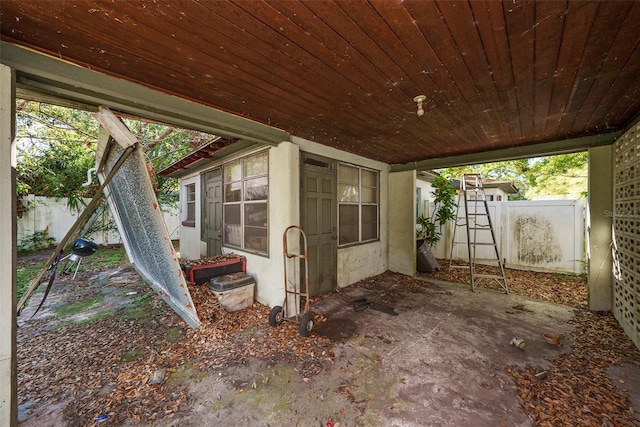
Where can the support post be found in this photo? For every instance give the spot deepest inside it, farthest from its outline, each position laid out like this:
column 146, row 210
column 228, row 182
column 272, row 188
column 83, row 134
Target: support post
column 599, row 226
column 402, row 222
column 8, row 363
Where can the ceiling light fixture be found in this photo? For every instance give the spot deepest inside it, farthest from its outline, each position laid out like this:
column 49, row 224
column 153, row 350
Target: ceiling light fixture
column 419, row 100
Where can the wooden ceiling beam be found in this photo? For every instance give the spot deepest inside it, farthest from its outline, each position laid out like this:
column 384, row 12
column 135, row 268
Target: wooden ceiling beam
column 41, row 73
column 513, row 153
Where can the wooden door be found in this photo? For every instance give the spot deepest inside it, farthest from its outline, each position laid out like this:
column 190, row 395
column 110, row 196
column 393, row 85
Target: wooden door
column 319, row 222
column 211, row 229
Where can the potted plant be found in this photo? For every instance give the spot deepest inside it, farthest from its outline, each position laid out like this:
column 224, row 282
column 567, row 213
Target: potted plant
column 429, row 229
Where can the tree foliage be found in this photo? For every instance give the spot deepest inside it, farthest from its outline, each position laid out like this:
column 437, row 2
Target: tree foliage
column 562, row 176
column 56, row 147
column 444, row 199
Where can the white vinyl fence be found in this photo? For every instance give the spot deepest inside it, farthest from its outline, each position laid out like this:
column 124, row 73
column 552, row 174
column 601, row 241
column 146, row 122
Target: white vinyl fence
column 52, row 215
column 534, row 235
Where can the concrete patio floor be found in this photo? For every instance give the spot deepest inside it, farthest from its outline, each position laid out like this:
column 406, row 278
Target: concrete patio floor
column 440, row 361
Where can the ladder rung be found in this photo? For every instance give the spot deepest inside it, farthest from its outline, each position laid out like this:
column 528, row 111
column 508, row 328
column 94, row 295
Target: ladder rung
column 481, row 227
column 489, row 276
column 482, row 244
column 486, row 259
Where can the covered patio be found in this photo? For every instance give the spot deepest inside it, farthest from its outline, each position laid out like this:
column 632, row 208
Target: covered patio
column 444, row 358
column 502, row 80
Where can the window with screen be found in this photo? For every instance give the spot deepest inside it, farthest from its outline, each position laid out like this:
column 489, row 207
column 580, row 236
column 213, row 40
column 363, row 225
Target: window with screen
column 190, row 205
column 358, row 207
column 246, row 191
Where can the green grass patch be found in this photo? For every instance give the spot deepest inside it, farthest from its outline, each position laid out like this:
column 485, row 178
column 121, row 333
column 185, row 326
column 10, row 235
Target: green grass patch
column 105, row 257
column 174, row 334
column 94, row 317
column 131, row 355
column 142, row 309
column 24, row 275
column 78, row 307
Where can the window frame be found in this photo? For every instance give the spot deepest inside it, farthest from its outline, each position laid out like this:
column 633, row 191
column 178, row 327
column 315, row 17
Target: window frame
column 359, row 203
column 243, row 201
column 189, row 204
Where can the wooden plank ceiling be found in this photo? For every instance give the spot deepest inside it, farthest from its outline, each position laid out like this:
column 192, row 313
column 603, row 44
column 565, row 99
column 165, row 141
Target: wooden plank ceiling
column 344, row 73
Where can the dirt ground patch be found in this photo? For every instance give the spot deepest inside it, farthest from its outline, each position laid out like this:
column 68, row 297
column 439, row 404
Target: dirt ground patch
column 443, row 359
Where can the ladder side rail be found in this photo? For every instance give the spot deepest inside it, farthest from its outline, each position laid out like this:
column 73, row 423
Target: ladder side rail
column 466, row 212
column 455, row 228
column 495, row 248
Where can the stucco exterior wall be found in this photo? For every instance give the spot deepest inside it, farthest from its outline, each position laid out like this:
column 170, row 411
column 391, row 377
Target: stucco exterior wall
column 402, row 232
column 359, row 262
column 190, row 245
column 353, row 263
column 284, row 210
column 599, row 224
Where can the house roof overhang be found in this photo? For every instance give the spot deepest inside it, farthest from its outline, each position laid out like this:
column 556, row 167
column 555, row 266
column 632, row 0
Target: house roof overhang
column 506, row 186
column 501, row 79
column 217, row 148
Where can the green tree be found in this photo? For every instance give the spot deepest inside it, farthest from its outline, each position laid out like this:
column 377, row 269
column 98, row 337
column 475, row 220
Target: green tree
column 562, row 176
column 56, row 147
column 515, row 171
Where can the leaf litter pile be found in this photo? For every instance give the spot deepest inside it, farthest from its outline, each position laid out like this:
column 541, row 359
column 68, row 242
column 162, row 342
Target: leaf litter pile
column 100, row 371
column 560, row 288
column 125, row 367
column 576, row 390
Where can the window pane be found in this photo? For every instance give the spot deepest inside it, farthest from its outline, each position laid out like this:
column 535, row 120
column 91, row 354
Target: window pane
column 348, row 174
column 256, row 189
column 369, row 222
column 369, row 178
column 232, row 231
column 232, row 214
column 255, row 214
column 191, row 193
column 369, row 195
column 232, row 171
column 191, row 211
column 348, row 224
column 255, row 238
column 232, row 235
column 348, row 193
column 256, row 165
column 232, row 192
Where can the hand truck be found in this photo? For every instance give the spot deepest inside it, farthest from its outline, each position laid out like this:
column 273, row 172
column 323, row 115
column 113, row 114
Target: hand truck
column 292, row 288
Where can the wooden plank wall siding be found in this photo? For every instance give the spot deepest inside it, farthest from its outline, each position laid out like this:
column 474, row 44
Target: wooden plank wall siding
column 496, row 74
